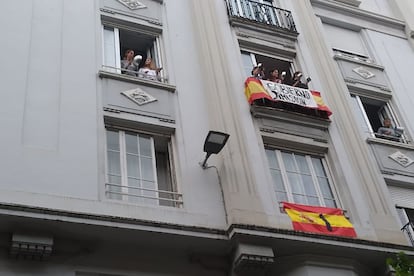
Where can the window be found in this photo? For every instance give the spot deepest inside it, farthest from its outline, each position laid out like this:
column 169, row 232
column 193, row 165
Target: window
column 371, row 114
column 139, row 168
column 300, row 178
column 252, row 59
column 346, row 42
column 116, row 41
column 407, row 219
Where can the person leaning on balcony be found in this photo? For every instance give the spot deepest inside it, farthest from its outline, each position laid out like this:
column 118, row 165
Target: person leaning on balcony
column 127, row 64
column 387, row 129
column 149, row 71
column 297, row 82
column 275, row 77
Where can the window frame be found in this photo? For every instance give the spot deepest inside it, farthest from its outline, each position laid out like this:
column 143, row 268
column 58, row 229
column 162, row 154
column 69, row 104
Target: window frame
column 388, row 111
column 176, row 199
column 155, row 51
column 287, row 185
column 253, row 58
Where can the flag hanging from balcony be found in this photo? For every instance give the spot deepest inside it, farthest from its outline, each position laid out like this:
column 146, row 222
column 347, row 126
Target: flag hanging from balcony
column 256, row 89
column 322, row 220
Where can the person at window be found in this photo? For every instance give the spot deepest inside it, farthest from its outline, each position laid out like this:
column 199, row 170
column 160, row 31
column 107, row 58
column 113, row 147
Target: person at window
column 275, row 77
column 388, row 130
column 127, row 64
column 258, row 71
column 297, row 80
column 149, row 70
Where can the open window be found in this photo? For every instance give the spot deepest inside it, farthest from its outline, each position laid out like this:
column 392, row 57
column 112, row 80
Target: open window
column 371, row 114
column 139, row 168
column 117, row 40
column 252, row 59
column 300, row 178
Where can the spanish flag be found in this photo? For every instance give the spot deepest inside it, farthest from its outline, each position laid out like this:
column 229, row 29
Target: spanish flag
column 254, row 90
column 321, row 220
column 319, row 101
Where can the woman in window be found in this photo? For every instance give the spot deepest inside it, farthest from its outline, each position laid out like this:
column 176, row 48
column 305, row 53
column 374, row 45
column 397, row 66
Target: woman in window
column 274, row 76
column 127, row 64
column 149, row 70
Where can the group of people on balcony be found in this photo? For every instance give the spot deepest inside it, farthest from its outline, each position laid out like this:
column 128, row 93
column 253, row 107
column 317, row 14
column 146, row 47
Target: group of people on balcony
column 131, row 67
column 275, row 76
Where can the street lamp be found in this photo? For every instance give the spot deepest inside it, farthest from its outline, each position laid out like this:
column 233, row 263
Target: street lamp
column 213, row 144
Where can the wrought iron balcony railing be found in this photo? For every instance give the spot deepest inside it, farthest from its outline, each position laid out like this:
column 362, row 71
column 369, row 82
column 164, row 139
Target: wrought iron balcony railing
column 261, row 13
column 408, row 229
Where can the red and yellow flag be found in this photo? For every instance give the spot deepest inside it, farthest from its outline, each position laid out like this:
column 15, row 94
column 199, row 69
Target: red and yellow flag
column 322, row 220
column 254, row 90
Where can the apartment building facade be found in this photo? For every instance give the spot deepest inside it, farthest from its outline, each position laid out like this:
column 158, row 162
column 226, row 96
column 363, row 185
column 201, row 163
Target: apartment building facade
column 101, row 168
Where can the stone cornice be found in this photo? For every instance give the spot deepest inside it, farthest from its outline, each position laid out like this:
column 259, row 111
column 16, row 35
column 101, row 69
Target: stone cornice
column 360, row 14
column 254, row 231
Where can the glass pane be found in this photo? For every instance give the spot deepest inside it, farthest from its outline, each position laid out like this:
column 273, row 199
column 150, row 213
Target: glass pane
column 360, row 114
column 302, row 164
column 112, row 140
column 308, row 184
column 113, row 191
column 277, row 180
column 114, row 166
column 288, row 161
column 271, row 157
column 131, row 143
column 114, row 179
column 295, row 183
column 133, row 192
column 317, row 165
column 247, row 63
column 145, row 145
column 147, row 169
column 149, row 185
column 299, row 199
column 325, row 188
column 314, row 201
column 133, row 165
column 330, row 203
column 109, row 47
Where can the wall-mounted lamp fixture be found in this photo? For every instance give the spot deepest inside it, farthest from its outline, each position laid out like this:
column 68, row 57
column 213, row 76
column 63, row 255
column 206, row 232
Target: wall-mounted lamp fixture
column 213, row 144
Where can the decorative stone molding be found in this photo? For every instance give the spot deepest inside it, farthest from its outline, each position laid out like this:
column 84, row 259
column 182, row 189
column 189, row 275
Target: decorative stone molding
column 352, row 16
column 401, row 159
column 354, row 3
column 363, row 72
column 132, row 4
column 139, row 96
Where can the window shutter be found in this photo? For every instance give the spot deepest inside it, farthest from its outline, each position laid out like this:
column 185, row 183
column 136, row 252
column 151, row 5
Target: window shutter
column 402, row 197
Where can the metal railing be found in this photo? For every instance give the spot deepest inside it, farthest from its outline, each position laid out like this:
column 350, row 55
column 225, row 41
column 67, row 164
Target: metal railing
column 408, row 229
column 134, row 74
column 261, row 13
column 158, row 197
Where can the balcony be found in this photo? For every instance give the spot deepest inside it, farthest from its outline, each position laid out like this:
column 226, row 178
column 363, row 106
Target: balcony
column 261, row 14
